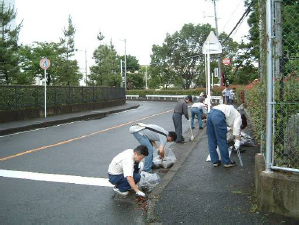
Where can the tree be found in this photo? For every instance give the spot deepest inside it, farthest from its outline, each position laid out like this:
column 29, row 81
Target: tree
column 30, row 56
column 132, row 63
column 180, row 58
column 135, row 81
column 68, row 69
column 106, row 64
column 9, row 57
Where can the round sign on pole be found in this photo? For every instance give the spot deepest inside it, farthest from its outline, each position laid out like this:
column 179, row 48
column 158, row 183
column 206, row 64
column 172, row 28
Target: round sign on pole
column 44, row 63
column 226, row 61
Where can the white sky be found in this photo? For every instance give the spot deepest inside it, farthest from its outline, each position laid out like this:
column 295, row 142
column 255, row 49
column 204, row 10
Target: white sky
column 141, row 22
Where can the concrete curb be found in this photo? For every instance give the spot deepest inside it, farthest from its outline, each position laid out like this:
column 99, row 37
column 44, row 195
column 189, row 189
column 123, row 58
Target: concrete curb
column 42, row 124
column 154, row 196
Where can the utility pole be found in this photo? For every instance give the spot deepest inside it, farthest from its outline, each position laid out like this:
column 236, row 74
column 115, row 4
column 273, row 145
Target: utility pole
column 125, row 64
column 85, row 67
column 217, row 35
column 146, row 77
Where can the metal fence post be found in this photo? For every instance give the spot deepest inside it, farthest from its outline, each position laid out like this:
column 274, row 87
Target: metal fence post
column 269, row 87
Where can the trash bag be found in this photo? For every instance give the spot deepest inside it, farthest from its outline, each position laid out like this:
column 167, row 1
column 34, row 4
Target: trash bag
column 167, row 162
column 246, row 140
column 148, row 181
column 157, row 162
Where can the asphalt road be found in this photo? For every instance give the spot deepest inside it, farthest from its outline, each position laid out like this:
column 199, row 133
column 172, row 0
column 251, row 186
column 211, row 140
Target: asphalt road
column 83, row 148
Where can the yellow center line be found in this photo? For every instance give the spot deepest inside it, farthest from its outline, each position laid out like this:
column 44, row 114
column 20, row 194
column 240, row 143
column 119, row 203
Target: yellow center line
column 81, row 137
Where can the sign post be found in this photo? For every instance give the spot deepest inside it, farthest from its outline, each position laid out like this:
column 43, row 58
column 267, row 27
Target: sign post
column 45, row 64
column 211, row 46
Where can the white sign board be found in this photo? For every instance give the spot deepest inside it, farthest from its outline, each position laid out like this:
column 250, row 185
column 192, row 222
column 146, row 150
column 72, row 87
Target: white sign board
column 212, row 45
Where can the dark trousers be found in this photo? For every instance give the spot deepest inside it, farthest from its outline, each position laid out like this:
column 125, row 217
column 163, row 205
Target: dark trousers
column 177, row 122
column 121, row 182
column 216, row 131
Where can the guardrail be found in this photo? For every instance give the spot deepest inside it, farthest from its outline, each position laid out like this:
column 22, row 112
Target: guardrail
column 132, row 96
column 165, row 97
column 215, row 100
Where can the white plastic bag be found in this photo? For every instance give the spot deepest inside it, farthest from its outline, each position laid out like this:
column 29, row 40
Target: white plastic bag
column 148, row 181
column 169, row 160
column 157, row 162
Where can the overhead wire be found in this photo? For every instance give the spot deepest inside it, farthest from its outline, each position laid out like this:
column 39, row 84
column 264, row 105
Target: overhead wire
column 241, row 20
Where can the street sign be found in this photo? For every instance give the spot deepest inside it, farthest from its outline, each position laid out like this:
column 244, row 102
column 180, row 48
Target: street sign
column 44, row 63
column 212, row 45
column 226, row 61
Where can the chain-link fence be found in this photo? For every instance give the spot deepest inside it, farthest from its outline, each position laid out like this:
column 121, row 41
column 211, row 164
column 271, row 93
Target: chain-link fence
column 285, row 74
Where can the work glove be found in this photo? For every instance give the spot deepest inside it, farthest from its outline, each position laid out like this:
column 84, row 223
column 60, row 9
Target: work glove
column 140, row 194
column 237, row 144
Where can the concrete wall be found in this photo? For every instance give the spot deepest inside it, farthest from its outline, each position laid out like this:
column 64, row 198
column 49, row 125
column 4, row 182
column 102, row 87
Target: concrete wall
column 277, row 192
column 16, row 115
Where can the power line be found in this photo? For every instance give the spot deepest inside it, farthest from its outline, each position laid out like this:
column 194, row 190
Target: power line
column 240, row 21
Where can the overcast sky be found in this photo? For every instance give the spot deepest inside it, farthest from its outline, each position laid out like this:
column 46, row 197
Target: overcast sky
column 141, row 22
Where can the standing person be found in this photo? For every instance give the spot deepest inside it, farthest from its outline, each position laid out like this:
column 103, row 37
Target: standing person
column 123, row 170
column 227, row 95
column 221, row 117
column 179, row 110
column 223, row 95
column 198, row 109
column 148, row 135
column 232, row 96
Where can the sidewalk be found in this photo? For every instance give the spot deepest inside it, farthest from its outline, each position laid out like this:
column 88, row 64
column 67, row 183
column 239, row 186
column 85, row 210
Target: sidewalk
column 18, row 126
column 195, row 192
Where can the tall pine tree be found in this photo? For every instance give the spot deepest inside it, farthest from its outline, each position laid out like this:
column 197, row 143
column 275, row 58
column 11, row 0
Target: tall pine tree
column 9, row 58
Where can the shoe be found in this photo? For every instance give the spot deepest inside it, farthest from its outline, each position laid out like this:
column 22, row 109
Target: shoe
column 180, row 142
column 192, row 128
column 201, row 128
column 216, row 164
column 231, row 164
column 122, row 193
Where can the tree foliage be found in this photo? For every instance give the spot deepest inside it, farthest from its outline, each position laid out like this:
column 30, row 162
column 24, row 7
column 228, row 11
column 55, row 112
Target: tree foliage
column 68, row 69
column 106, row 64
column 9, row 58
column 179, row 60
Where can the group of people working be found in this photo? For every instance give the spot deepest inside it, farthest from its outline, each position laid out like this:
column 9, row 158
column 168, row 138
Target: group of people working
column 124, row 171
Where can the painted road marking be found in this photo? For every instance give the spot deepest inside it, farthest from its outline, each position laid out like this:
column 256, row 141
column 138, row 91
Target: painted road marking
column 81, row 137
column 103, row 182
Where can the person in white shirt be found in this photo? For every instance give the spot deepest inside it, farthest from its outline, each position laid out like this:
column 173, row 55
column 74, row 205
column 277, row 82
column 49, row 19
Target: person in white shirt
column 221, row 117
column 198, row 109
column 123, row 170
column 148, row 135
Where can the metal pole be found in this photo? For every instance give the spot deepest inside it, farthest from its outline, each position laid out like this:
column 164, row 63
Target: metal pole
column 209, row 78
column 85, row 67
column 45, row 93
column 269, row 87
column 146, row 77
column 125, row 64
column 121, row 72
column 219, row 55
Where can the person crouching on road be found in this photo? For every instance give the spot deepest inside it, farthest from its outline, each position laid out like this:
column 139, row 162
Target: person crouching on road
column 198, row 109
column 221, row 117
column 123, row 170
column 148, row 135
column 179, row 110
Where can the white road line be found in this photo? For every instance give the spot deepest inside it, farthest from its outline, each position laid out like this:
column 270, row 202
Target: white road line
column 103, row 182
